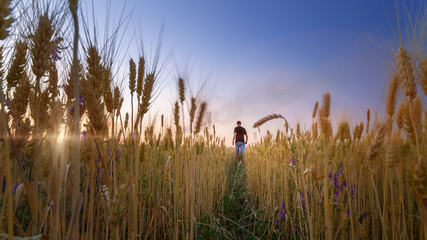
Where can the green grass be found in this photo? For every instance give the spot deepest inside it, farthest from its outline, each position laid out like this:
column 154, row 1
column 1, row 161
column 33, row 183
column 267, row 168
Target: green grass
column 236, row 217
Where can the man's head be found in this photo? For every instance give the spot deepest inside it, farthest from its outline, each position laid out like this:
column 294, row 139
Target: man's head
column 238, row 123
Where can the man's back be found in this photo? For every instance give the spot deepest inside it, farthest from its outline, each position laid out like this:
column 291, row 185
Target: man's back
column 240, row 133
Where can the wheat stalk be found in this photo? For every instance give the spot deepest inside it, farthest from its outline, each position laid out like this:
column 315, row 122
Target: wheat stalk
column 406, row 73
column 17, row 68
column 20, row 100
column 368, row 119
column 391, row 98
column 377, row 143
column 316, row 106
column 106, row 90
column 268, row 118
column 178, row 131
column 140, row 78
column 325, row 124
column 424, row 75
column 132, row 82
column 41, row 45
column 202, row 112
column 92, row 91
column 343, row 131
column 73, row 231
column 409, row 125
column 181, row 93
column 400, row 116
column 192, row 113
column 69, row 84
column 5, row 22
column 147, row 92
column 315, row 131
column 425, row 121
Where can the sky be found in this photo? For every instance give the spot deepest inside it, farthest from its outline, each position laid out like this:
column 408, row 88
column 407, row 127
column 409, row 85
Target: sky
column 256, row 58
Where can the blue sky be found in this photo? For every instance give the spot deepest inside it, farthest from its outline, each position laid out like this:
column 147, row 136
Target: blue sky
column 263, row 57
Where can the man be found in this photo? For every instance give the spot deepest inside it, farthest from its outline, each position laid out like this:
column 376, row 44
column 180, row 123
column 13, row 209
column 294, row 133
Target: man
column 239, row 139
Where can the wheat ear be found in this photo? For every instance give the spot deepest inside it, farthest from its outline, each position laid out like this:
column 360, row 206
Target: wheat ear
column 176, row 121
column 106, row 90
column 343, row 131
column 181, row 92
column 377, row 143
column 268, row 118
column 132, row 76
column 391, row 98
column 132, row 83
column 140, row 77
column 400, row 116
column 406, row 73
column 17, row 68
column 368, row 119
column 92, row 91
column 202, row 112
column 192, row 112
column 316, row 106
column 325, row 124
column 41, row 45
column 5, row 19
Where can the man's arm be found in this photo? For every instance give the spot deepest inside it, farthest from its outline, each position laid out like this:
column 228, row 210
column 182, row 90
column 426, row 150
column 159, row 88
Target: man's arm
column 246, row 142
column 234, row 138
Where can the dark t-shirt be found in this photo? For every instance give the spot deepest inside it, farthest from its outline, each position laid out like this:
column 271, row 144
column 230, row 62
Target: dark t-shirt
column 240, row 133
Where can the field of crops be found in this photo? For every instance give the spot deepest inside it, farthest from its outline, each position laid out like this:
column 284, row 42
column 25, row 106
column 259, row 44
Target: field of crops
column 74, row 165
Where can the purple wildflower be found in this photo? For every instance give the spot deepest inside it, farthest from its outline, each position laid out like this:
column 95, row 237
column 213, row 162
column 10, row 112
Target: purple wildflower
column 283, row 212
column 4, row 185
column 82, row 101
column 276, row 224
column 344, row 184
column 292, row 162
column 363, row 216
column 336, row 181
column 55, row 49
column 336, row 196
column 14, row 188
column 302, row 201
column 282, row 216
column 83, row 138
column 55, row 53
column 348, row 213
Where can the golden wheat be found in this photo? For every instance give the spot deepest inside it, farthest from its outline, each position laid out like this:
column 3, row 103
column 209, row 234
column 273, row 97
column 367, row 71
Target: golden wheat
column 200, row 117
column 423, row 76
column 391, row 98
column 268, row 118
column 192, row 113
column 140, row 77
column 17, row 68
column 406, row 73
column 92, row 91
column 316, row 105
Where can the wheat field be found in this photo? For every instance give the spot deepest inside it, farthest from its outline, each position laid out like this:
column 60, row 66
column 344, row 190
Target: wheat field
column 75, row 165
